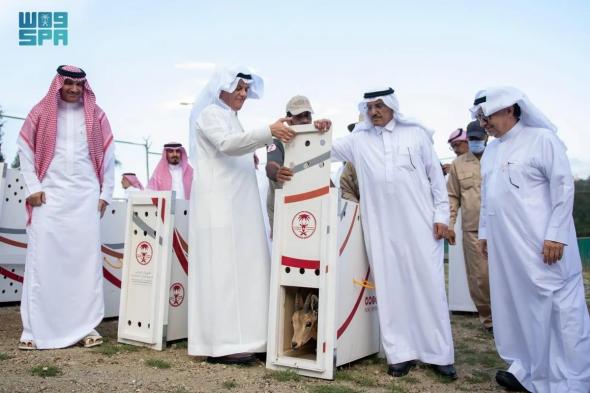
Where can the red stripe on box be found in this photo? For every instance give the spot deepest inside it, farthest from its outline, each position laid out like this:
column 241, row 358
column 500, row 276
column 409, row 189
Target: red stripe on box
column 300, row 263
column 177, row 246
column 344, row 326
column 343, row 246
column 307, row 195
column 111, row 278
column 12, row 242
column 13, row 276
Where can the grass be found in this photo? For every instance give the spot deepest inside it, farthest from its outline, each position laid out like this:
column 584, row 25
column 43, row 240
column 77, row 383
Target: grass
column 180, row 389
column 331, row 389
column 439, row 378
column 396, row 388
column 46, row 371
column 181, row 344
column 478, row 376
column 356, row 377
column 229, row 384
column 490, row 359
column 283, row 375
column 374, row 359
column 410, row 379
column 110, row 348
column 157, row 363
column 4, row 356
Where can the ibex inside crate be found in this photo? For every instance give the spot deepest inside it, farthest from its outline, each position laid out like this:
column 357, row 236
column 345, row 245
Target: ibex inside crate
column 304, row 320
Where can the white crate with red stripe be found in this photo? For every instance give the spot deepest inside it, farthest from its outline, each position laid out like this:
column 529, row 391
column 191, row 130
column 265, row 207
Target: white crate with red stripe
column 153, row 307
column 13, row 242
column 318, row 250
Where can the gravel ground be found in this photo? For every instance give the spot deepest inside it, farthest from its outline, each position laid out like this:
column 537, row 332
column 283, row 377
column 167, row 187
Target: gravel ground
column 115, row 367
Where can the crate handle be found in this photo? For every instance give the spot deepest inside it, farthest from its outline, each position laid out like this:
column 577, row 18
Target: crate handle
column 365, row 284
column 118, row 266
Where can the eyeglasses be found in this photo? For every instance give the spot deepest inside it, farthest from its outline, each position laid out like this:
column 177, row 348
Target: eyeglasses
column 483, row 118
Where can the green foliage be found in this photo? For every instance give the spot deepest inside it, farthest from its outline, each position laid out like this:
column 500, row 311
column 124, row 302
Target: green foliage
column 582, row 207
column 356, row 377
column 157, row 363
column 45, row 371
column 283, row 375
column 110, row 348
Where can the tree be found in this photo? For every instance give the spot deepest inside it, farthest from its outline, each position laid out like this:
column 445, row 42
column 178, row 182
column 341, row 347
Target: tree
column 582, row 207
column 16, row 162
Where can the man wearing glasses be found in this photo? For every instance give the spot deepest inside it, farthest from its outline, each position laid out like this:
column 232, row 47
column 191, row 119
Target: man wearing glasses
column 464, row 190
column 541, row 322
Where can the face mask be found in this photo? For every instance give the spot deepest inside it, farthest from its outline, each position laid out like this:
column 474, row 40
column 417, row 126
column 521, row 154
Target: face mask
column 477, row 147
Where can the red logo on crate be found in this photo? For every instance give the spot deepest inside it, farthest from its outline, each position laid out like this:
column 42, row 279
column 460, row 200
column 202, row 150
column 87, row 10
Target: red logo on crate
column 303, row 224
column 176, row 294
column 144, row 253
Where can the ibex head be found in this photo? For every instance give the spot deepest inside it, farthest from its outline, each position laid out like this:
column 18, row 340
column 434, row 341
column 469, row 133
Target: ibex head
column 304, row 320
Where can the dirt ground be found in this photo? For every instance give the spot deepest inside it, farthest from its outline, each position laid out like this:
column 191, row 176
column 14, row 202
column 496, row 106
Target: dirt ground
column 115, row 367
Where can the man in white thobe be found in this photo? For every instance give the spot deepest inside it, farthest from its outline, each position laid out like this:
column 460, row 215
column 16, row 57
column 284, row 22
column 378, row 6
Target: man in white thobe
column 173, row 172
column 405, row 211
column 541, row 322
column 67, row 163
column 229, row 270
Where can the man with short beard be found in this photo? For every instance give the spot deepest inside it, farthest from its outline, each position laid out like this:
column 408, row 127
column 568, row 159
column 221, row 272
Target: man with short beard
column 173, row 172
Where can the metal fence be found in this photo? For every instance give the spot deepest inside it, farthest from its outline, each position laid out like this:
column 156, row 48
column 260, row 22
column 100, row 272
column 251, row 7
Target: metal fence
column 583, row 244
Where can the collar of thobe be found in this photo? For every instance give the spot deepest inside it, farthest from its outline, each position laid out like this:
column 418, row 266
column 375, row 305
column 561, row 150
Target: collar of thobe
column 388, row 127
column 511, row 133
column 226, row 107
column 69, row 105
column 174, row 168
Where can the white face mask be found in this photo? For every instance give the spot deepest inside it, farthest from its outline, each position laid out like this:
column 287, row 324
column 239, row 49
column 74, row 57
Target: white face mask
column 477, row 147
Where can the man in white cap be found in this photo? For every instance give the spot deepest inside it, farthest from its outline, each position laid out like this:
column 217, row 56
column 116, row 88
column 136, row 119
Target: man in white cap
column 464, row 187
column 541, row 322
column 405, row 211
column 298, row 112
column 229, row 270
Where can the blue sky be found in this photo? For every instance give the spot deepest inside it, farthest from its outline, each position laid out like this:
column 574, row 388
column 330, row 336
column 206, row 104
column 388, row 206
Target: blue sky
column 144, row 58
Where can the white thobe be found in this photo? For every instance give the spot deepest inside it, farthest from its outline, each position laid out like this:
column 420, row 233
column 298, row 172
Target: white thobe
column 541, row 323
column 177, row 180
column 229, row 261
column 62, row 299
column 403, row 195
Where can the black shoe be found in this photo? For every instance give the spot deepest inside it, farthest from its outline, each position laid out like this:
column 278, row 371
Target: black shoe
column 400, row 369
column 447, row 371
column 489, row 330
column 509, row 381
column 233, row 359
